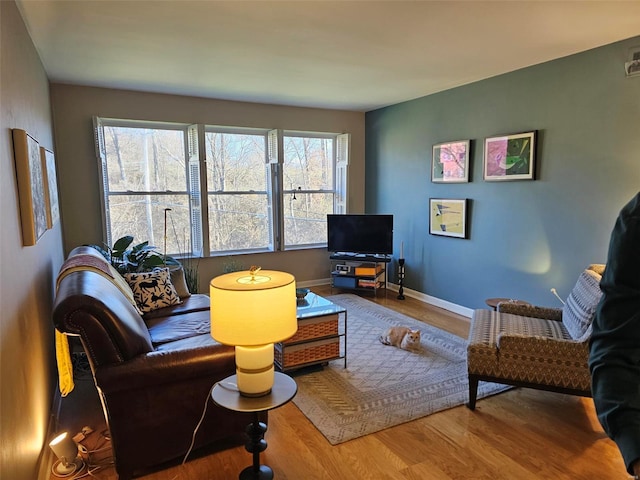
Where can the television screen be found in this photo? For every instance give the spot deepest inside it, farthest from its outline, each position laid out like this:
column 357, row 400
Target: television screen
column 368, row 234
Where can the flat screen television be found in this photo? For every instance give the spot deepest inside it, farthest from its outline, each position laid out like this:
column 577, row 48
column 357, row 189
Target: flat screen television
column 360, row 233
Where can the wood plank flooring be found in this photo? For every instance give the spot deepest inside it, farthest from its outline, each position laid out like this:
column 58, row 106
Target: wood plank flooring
column 521, row 434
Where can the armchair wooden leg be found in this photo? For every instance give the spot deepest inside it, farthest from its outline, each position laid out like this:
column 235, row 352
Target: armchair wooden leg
column 473, row 392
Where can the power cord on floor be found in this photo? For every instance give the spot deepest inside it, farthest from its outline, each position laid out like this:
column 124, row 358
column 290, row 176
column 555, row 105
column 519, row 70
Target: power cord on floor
column 89, row 465
column 90, row 471
column 195, row 431
column 94, row 466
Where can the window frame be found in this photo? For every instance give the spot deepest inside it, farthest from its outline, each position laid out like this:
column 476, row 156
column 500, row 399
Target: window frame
column 293, row 191
column 196, row 179
column 100, row 123
column 205, row 218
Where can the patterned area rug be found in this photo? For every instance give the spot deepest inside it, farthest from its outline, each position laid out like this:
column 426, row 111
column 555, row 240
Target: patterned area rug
column 384, row 386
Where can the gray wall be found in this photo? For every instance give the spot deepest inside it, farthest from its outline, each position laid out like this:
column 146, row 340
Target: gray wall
column 27, row 274
column 525, row 236
column 74, row 107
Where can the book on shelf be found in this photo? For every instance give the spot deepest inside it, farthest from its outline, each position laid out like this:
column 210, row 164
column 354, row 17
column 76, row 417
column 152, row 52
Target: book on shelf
column 368, row 269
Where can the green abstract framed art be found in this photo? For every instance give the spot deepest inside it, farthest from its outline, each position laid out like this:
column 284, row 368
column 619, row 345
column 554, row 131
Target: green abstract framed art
column 510, row 157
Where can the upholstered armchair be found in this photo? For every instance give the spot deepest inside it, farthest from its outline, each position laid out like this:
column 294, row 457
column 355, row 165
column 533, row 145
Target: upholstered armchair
column 536, row 347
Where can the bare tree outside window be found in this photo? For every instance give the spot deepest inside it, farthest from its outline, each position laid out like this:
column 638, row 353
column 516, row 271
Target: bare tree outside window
column 237, row 184
column 308, row 173
column 146, row 174
column 154, row 176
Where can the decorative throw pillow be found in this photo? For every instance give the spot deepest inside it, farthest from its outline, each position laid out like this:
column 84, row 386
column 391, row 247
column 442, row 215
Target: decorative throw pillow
column 152, row 290
column 179, row 281
column 580, row 308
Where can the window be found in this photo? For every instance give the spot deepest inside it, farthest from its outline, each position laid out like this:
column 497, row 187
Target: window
column 309, row 188
column 238, row 190
column 144, row 176
column 238, row 201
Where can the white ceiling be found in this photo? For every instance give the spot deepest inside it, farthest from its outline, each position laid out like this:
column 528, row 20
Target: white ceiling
column 351, row 55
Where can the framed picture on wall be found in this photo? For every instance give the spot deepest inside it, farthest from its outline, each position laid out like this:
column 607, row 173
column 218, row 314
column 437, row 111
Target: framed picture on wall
column 448, row 217
column 31, row 192
column 450, row 162
column 510, row 157
column 50, row 186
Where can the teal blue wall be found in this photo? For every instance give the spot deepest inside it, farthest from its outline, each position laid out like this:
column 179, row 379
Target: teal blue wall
column 526, row 236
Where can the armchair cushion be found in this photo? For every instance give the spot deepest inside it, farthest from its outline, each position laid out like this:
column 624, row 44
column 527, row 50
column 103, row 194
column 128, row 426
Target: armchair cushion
column 580, row 307
column 545, row 360
column 547, row 313
column 489, row 331
column 526, row 350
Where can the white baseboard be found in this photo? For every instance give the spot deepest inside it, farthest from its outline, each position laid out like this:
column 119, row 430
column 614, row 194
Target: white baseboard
column 436, row 302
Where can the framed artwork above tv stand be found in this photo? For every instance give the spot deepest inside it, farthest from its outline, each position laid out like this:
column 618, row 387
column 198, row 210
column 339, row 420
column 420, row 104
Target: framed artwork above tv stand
column 359, row 272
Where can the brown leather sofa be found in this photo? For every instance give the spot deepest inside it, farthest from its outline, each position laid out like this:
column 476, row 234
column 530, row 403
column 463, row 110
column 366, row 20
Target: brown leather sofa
column 153, row 373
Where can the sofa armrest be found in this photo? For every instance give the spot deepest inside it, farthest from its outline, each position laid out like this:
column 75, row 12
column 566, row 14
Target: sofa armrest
column 531, row 311
column 167, row 366
column 544, row 347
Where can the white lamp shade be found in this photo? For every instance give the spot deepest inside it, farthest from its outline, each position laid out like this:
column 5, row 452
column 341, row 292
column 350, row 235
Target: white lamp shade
column 253, row 310
column 64, row 447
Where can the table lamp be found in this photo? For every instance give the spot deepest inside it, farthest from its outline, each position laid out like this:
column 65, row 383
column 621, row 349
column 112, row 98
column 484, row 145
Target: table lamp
column 67, row 452
column 252, row 310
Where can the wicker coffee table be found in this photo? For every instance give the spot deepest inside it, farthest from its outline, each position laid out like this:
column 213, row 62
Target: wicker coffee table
column 321, row 335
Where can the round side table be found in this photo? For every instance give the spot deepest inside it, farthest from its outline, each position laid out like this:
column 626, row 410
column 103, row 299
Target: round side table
column 223, row 394
column 493, row 302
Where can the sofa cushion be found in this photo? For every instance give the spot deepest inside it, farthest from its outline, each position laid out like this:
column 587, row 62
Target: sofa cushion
column 178, row 327
column 198, row 302
column 152, row 290
column 580, row 307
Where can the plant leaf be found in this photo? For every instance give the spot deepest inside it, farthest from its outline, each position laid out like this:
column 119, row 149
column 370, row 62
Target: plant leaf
column 121, row 246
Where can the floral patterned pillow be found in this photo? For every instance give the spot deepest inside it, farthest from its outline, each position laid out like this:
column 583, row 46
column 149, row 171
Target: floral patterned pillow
column 152, row 290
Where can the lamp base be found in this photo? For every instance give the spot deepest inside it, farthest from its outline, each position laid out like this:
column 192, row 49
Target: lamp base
column 263, row 473
column 254, row 395
column 61, row 470
column 254, row 370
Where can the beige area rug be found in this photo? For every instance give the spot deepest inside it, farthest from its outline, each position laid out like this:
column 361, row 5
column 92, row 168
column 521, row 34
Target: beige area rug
column 384, row 386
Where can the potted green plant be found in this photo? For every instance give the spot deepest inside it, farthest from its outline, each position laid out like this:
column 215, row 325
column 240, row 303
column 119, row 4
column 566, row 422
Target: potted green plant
column 128, row 258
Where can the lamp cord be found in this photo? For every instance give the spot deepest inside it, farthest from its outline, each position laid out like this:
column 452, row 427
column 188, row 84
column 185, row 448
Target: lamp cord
column 91, row 469
column 91, row 465
column 195, row 431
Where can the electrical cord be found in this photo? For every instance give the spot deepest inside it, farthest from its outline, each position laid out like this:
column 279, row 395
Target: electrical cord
column 195, row 431
column 226, row 385
column 91, row 465
column 72, row 475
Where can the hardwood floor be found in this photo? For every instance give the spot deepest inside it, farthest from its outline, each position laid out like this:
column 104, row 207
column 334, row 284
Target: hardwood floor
column 520, row 434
